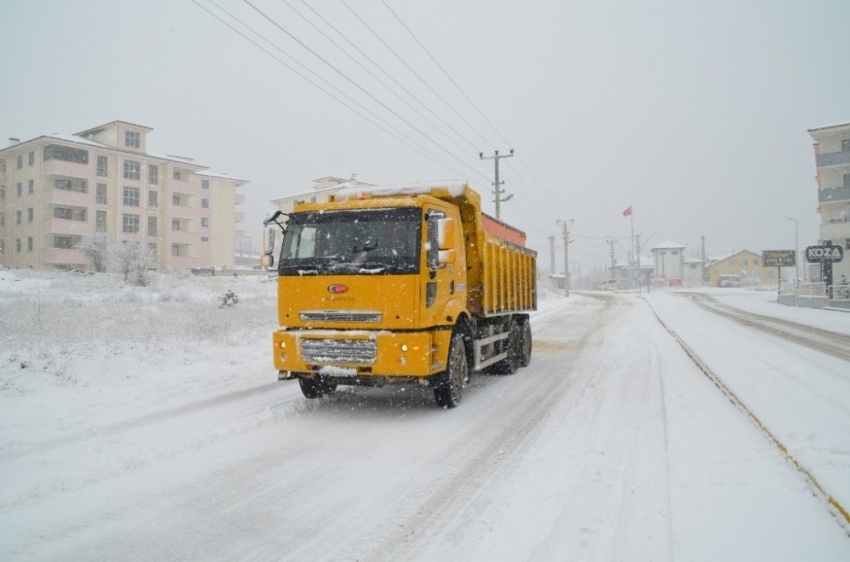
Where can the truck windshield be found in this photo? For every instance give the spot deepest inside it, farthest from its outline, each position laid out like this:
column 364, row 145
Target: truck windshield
column 365, row 241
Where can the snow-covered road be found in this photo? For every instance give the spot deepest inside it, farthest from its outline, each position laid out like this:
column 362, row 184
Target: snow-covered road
column 611, row 445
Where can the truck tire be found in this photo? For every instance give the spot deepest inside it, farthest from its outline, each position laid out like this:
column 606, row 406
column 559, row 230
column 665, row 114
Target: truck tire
column 510, row 364
column 525, row 345
column 310, row 387
column 448, row 391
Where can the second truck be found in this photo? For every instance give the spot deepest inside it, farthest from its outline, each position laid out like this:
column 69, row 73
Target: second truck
column 400, row 284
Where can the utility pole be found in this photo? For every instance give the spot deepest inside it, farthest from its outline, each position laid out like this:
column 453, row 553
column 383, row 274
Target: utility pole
column 552, row 254
column 566, row 227
column 637, row 260
column 702, row 256
column 496, row 157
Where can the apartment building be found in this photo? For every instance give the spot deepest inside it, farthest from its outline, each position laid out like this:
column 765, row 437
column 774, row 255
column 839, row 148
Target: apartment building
column 54, row 189
column 832, row 158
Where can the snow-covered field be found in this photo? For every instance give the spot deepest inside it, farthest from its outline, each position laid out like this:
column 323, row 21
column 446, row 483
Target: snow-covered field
column 148, row 424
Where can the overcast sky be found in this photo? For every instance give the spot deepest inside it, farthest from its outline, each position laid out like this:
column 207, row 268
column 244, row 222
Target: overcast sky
column 693, row 113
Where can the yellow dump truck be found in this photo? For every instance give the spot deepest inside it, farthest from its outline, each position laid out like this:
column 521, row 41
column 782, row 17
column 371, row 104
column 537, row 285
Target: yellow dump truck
column 400, row 284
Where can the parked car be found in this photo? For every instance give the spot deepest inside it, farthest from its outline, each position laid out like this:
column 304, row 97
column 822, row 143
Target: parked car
column 608, row 285
column 729, row 281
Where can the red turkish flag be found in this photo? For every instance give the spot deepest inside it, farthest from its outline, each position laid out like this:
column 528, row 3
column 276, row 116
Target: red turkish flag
column 627, row 212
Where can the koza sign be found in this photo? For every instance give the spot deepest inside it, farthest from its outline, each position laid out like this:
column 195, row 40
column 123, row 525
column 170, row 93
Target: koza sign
column 819, row 254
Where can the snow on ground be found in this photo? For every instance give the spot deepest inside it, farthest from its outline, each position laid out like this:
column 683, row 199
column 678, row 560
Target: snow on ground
column 147, row 424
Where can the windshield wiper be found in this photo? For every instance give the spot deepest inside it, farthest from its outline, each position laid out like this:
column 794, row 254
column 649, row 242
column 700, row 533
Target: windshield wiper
column 366, row 247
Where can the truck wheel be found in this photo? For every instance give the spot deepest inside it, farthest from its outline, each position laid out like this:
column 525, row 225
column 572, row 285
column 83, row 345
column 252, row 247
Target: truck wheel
column 448, row 391
column 510, row 364
column 310, row 387
column 525, row 345
column 328, row 388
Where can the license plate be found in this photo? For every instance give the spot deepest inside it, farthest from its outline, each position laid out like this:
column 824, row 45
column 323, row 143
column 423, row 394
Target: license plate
column 338, row 371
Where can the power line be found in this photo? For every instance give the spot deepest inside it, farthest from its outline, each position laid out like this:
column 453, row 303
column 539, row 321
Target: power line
column 358, row 86
column 417, row 145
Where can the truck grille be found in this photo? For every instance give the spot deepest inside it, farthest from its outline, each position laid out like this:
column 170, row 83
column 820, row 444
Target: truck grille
column 359, row 352
column 340, row 316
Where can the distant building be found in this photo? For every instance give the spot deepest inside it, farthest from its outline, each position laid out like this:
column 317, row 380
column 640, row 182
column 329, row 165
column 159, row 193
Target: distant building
column 323, row 188
column 54, row 189
column 745, row 264
column 669, row 259
column 832, row 158
column 692, row 273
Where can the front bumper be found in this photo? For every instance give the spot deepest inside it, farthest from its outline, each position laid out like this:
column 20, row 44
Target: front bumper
column 360, row 353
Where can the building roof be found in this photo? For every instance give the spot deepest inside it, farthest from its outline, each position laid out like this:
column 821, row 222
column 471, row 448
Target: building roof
column 220, row 175
column 66, row 138
column 830, row 126
column 668, row 245
column 111, row 123
column 713, row 260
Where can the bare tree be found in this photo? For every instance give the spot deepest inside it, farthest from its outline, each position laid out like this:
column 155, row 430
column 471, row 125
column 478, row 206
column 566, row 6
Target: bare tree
column 95, row 246
column 134, row 259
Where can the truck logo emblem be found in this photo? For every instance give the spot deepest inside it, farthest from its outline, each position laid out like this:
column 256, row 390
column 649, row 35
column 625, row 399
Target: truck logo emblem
column 337, row 288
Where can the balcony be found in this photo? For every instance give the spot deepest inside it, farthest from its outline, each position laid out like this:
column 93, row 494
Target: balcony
column 240, row 198
column 54, row 196
column 65, row 227
column 183, row 237
column 238, row 217
column 833, row 159
column 833, row 195
column 63, row 168
column 835, row 231
column 56, row 256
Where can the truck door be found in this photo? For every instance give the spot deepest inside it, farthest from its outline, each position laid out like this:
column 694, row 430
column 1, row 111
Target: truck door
column 438, row 282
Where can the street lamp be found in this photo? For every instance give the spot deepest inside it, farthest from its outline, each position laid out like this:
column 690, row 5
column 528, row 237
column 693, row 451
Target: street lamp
column 796, row 253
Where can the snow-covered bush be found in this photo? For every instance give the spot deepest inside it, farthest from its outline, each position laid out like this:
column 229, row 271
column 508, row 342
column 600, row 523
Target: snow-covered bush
column 134, row 259
column 95, row 246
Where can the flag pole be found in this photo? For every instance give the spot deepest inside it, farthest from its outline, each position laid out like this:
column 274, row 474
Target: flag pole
column 635, row 248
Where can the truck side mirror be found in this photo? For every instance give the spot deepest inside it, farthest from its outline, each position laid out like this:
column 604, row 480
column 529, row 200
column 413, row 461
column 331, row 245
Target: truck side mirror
column 447, row 257
column 268, row 241
column 446, row 234
column 267, row 261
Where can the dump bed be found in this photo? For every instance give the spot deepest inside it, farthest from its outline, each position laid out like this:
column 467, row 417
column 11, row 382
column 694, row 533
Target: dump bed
column 502, row 271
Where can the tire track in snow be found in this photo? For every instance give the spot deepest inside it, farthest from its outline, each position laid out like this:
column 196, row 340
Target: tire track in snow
column 138, row 422
column 832, row 343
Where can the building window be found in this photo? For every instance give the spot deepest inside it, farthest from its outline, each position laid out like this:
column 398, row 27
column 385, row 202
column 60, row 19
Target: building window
column 31, row 158
column 205, row 238
column 176, row 174
column 205, row 184
column 17, row 245
column 205, row 203
column 153, row 174
column 64, row 185
column 29, row 214
column 29, row 243
column 175, row 250
column 132, row 170
column 131, row 196
column 100, row 221
column 152, row 248
column 130, row 224
column 2, row 165
column 19, row 191
column 205, row 222
column 62, row 213
column 2, row 248
column 847, row 243
column 66, row 154
column 30, row 186
column 132, row 139
column 845, row 146
column 102, row 166
column 152, row 226
column 101, row 194
column 17, row 217
column 756, row 262
column 175, row 200
column 175, row 224
column 63, row 242
column 153, row 199
column 2, row 220
column 745, row 262
column 2, row 191
column 19, row 163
